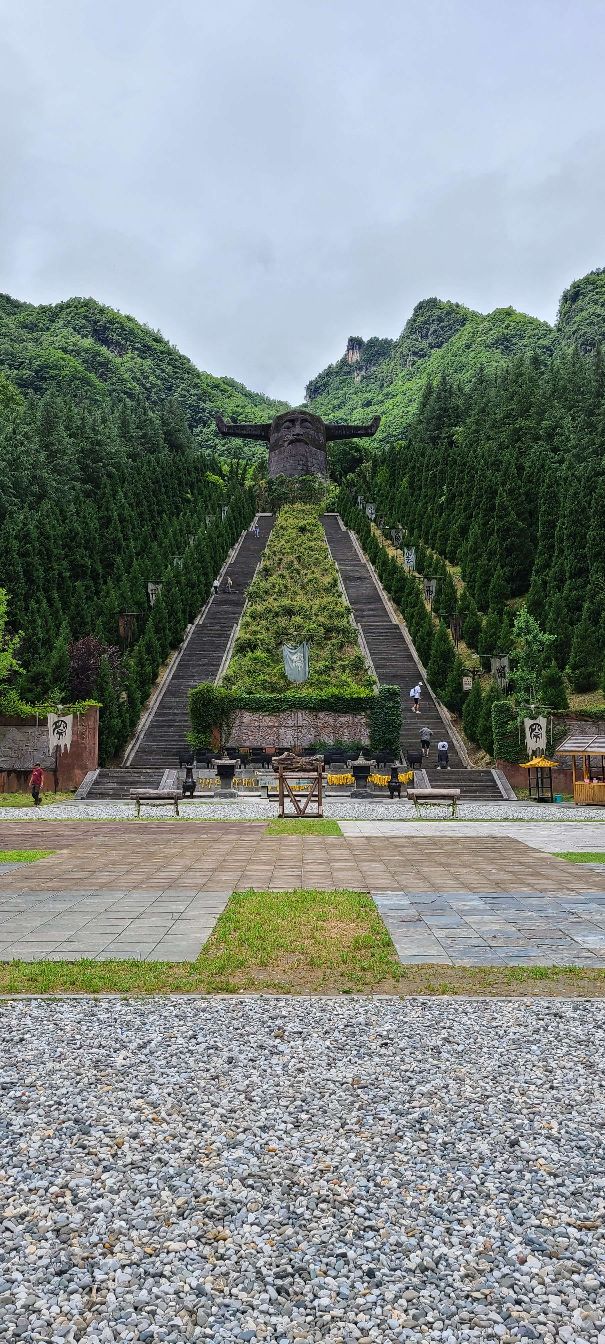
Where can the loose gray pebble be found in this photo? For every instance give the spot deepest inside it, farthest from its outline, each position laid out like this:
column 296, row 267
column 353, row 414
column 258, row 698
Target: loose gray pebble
column 301, row 1170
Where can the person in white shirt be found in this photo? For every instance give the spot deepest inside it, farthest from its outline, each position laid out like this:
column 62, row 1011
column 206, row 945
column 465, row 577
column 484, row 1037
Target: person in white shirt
column 415, row 694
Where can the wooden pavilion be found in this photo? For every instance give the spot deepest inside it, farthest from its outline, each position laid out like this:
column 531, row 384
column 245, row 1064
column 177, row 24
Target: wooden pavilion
column 588, row 767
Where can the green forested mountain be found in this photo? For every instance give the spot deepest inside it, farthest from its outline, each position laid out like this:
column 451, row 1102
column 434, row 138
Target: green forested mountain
column 92, row 354
column 491, row 457
column 444, row 338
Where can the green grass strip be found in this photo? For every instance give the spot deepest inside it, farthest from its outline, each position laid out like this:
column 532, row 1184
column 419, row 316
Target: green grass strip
column 303, row 826
column 573, row 856
column 296, row 942
column 24, row 855
column 26, row 800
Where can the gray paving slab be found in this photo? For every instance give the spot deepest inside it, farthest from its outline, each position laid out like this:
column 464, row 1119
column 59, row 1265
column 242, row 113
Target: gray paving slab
column 70, row 926
column 493, row 929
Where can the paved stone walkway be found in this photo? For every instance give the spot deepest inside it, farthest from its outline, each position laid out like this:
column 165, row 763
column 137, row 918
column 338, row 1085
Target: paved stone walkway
column 552, row 837
column 107, row 925
column 155, row 890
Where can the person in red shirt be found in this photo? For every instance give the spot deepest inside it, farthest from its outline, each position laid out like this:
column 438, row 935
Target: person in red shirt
column 35, row 783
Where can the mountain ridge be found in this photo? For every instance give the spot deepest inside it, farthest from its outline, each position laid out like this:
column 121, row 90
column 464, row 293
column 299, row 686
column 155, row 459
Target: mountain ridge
column 87, row 351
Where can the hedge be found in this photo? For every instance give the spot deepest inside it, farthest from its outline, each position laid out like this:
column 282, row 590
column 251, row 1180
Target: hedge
column 385, row 720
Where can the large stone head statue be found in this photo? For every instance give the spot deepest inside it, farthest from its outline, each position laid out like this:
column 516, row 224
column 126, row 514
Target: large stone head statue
column 297, row 440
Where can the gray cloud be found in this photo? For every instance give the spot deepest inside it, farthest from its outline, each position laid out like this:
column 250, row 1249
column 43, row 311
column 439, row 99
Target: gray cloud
column 259, row 179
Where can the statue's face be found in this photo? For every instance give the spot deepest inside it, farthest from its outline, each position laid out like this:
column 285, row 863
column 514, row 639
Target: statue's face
column 298, row 427
column 297, row 445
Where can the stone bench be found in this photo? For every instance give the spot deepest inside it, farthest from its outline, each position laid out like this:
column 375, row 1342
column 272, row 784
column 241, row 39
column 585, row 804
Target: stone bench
column 435, row 797
column 155, row 798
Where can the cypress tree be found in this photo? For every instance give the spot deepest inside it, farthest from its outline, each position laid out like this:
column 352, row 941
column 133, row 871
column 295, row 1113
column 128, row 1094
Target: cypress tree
column 441, row 660
column 586, row 657
column 472, row 711
column 453, row 695
column 553, row 691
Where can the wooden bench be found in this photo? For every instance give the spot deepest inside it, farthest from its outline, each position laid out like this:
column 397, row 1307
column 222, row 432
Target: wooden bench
column 435, row 797
column 155, row 798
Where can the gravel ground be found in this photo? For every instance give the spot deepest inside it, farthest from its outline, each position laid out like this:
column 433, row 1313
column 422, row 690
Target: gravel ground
column 302, row 1170
column 255, row 809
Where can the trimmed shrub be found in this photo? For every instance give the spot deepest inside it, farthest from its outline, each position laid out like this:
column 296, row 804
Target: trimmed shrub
column 385, row 720
column 212, row 710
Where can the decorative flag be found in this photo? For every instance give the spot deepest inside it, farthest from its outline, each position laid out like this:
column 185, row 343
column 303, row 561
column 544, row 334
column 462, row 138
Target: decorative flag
column 500, row 670
column 59, row 731
column 467, row 683
column 296, row 661
column 152, row 591
column 409, row 556
column 397, row 535
column 224, row 512
column 360, row 502
column 371, row 512
column 535, row 736
column 430, row 588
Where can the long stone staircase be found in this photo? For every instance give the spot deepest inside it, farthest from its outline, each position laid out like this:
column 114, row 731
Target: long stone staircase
column 396, row 664
column 164, row 732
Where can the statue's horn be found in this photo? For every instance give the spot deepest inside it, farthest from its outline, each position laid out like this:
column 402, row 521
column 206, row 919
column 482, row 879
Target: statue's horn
column 353, row 431
column 242, row 431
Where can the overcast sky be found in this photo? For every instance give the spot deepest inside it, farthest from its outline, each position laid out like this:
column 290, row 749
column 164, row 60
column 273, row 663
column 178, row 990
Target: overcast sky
column 259, row 179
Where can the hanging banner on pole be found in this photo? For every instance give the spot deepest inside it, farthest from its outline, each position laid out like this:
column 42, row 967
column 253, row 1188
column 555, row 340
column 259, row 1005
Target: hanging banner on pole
column 296, row 661
column 535, row 736
column 152, row 591
column 360, row 502
column 397, row 535
column 224, row 512
column 59, row 731
column 500, row 670
column 409, row 556
column 371, row 512
column 467, row 683
column 430, row 588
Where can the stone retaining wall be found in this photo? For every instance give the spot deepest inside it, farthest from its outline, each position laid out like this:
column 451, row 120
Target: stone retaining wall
column 290, row 728
column 23, row 742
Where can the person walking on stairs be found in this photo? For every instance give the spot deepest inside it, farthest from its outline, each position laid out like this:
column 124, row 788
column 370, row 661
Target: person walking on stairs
column 443, row 757
column 425, row 740
column 229, row 583
column 415, row 694
column 216, row 587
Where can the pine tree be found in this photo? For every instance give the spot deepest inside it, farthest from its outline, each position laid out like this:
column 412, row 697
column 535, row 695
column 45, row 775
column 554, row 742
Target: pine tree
column 109, row 718
column 553, row 691
column 441, row 660
column 453, row 695
column 472, row 712
column 485, row 727
column 586, row 658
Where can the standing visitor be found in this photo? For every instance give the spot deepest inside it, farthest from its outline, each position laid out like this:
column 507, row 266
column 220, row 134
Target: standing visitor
column 216, row 587
column 36, row 781
column 425, row 740
column 229, row 583
column 443, row 757
column 415, row 694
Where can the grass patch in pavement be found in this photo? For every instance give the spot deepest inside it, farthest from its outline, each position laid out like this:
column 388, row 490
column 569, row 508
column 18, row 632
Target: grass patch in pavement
column 573, row 856
column 24, row 855
column 297, row 942
column 303, row 826
column 26, row 800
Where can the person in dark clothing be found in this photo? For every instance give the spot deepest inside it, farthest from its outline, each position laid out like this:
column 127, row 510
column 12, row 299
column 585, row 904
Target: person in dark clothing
column 425, row 740
column 443, row 757
column 36, row 781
